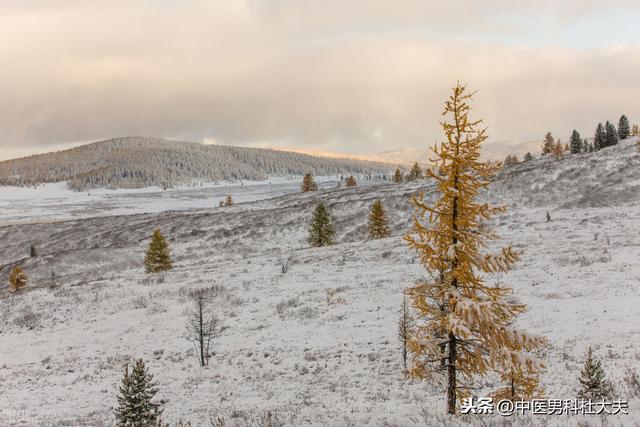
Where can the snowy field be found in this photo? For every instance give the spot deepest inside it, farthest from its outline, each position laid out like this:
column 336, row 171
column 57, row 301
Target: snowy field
column 55, row 201
column 316, row 345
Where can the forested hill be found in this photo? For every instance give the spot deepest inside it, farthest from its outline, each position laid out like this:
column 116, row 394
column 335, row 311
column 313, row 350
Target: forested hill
column 136, row 162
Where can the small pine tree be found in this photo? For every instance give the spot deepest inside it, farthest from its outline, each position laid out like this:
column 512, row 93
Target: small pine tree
column 591, row 148
column 378, row 222
column 415, row 173
column 228, row 201
column 308, row 184
column 351, row 181
column 624, row 130
column 17, row 279
column 593, row 382
column 585, row 146
column 610, row 134
column 599, row 138
column 575, row 142
column 406, row 323
column 135, row 400
column 548, row 144
column 32, row 251
column 157, row 257
column 635, row 130
column 528, row 157
column 397, row 176
column 321, row 229
column 510, row 160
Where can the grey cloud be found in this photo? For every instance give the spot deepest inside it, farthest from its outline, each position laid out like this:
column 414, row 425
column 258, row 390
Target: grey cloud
column 274, row 72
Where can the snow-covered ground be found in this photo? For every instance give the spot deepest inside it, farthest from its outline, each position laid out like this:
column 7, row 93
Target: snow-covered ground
column 316, row 345
column 55, row 201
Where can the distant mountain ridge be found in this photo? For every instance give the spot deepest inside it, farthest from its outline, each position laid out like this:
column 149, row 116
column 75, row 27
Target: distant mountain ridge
column 135, row 162
column 406, row 157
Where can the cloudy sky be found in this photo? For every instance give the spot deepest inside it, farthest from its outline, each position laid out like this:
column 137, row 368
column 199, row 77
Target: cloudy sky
column 351, row 76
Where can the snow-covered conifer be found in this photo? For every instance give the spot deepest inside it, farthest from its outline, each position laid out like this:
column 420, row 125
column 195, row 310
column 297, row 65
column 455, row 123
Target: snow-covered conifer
column 510, row 160
column 472, row 317
column 157, row 257
column 308, row 184
column 415, row 172
column 378, row 222
column 593, row 382
column 599, row 139
column 610, row 134
column 575, row 142
column 397, row 176
column 321, row 229
column 624, row 130
column 136, row 407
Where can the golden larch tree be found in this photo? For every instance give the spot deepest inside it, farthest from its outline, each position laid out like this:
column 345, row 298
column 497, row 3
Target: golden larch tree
column 17, row 279
column 378, row 222
column 558, row 150
column 397, row 176
column 308, row 184
column 157, row 257
column 351, row 181
column 229, row 200
column 465, row 327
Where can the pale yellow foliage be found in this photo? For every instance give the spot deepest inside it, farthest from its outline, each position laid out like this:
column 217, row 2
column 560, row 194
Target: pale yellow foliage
column 466, row 323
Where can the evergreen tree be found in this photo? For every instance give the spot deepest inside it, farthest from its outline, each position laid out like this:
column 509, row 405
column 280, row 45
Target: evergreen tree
column 308, row 184
column 624, row 130
column 585, row 146
column 548, row 144
column 593, row 383
column 157, row 257
column 528, row 157
column 599, row 138
column 558, row 150
column 135, row 400
column 635, row 130
column 473, row 318
column 378, row 222
column 351, row 181
column 610, row 134
column 575, row 142
column 510, row 160
column 321, row 230
column 591, row 148
column 17, row 279
column 397, row 176
column 406, row 323
column 415, row 173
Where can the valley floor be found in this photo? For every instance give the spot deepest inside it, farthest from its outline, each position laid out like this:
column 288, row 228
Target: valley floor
column 316, row 345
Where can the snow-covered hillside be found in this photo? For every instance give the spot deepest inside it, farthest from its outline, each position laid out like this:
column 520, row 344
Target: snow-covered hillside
column 137, row 162
column 316, row 345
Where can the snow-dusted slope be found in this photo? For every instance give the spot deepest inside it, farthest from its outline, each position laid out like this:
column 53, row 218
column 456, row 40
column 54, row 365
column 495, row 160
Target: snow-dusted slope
column 136, row 162
column 317, row 344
